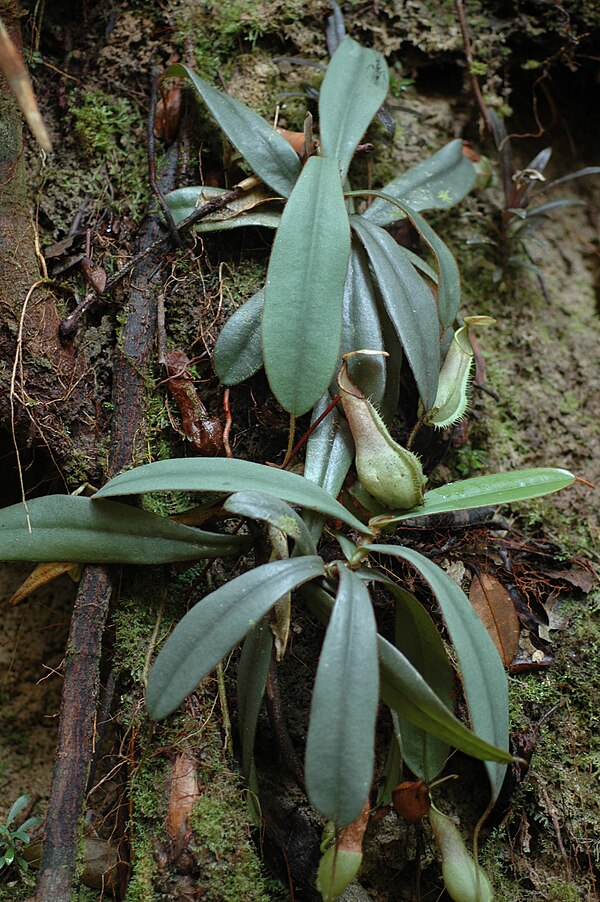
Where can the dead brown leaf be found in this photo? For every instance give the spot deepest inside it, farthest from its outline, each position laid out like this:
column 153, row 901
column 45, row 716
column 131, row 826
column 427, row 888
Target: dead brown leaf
column 296, row 139
column 15, row 72
column 495, row 608
column 183, row 796
column 41, row 576
column 580, row 577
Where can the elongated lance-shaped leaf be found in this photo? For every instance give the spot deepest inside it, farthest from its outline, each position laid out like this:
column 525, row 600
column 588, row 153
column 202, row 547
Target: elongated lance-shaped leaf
column 435, row 184
column 391, row 774
column 341, row 733
column 79, row 530
column 448, row 294
column 580, row 173
column 389, row 404
column 481, row 491
column 251, row 681
column 237, row 353
column 484, row 681
column 354, row 87
column 275, row 512
column 404, row 690
column 418, row 639
column 361, row 328
column 216, row 624
column 268, row 154
column 226, row 475
column 409, row 303
column 248, row 211
column 302, row 317
column 329, row 454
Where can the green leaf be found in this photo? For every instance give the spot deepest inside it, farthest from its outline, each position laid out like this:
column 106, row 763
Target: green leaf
column 404, row 690
column 17, row 806
column 481, row 491
column 237, row 353
column 184, row 201
column 275, row 512
column 448, row 295
column 81, row 530
column 268, row 154
column 580, row 173
column 226, row 475
column 409, row 303
column 253, row 669
column 484, row 681
column 341, row 733
column 389, row 404
column 302, row 318
column 361, row 328
column 354, row 87
column 329, row 454
column 215, row 625
column 419, row 641
column 435, row 184
column 391, row 773
column 329, row 450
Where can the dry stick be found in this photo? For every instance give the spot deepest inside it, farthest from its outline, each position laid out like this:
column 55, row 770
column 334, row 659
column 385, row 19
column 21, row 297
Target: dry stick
column 81, row 677
column 75, row 734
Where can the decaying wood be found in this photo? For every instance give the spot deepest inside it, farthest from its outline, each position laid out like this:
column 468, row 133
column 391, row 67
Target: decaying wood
column 76, row 733
column 81, row 678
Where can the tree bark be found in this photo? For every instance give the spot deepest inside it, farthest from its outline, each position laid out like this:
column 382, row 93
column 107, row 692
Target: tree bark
column 81, row 678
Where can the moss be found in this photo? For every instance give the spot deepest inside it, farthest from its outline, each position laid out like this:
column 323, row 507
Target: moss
column 141, row 885
column 18, row 887
column 562, row 772
column 221, row 30
column 104, row 159
column 147, row 800
column 232, row 869
column 101, row 122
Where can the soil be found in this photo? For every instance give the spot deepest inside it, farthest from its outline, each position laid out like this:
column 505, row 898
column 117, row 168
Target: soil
column 540, row 407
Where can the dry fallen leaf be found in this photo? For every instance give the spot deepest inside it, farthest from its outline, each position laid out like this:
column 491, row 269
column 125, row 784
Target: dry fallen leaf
column 168, row 112
column 495, row 608
column 15, row 72
column 183, row 795
column 41, row 576
column 296, row 139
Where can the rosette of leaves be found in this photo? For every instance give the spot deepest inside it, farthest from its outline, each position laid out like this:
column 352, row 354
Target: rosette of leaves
column 525, row 211
column 409, row 671
column 336, row 281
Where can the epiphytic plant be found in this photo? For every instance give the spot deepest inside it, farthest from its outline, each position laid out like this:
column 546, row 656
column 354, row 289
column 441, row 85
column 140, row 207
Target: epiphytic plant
column 337, row 281
column 358, row 665
column 522, row 214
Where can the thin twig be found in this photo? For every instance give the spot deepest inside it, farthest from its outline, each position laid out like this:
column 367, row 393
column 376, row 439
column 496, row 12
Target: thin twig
column 228, row 422
column 211, row 206
column 18, row 366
